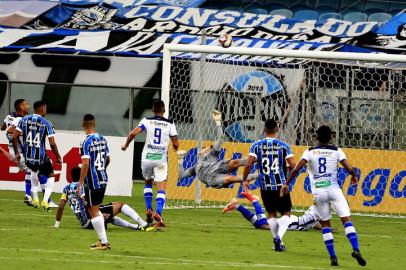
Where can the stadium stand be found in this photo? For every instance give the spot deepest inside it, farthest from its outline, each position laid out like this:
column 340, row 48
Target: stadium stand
column 352, row 10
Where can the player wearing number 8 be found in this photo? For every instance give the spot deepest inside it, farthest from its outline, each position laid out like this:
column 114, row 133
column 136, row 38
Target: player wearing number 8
column 34, row 130
column 154, row 164
column 273, row 158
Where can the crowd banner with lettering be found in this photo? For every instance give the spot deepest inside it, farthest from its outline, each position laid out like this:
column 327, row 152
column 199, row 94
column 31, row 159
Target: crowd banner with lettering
column 126, row 27
column 381, row 189
column 120, row 180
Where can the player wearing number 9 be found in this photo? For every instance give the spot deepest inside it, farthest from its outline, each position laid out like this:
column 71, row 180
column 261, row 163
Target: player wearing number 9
column 273, row 158
column 95, row 159
column 35, row 129
column 154, row 164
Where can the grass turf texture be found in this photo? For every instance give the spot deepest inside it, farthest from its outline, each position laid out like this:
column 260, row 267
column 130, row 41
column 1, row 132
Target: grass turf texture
column 193, row 239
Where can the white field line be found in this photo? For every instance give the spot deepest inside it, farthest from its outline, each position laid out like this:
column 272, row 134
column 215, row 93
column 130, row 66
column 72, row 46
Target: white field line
column 165, row 260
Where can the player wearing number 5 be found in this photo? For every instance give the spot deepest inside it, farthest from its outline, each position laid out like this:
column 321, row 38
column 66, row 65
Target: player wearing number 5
column 154, row 163
column 273, row 158
column 34, row 130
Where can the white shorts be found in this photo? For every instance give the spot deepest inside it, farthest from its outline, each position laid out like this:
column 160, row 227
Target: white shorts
column 22, row 166
column 157, row 171
column 327, row 201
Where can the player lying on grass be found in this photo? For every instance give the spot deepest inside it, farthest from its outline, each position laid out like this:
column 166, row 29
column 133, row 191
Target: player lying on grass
column 209, row 169
column 323, row 160
column 259, row 220
column 109, row 211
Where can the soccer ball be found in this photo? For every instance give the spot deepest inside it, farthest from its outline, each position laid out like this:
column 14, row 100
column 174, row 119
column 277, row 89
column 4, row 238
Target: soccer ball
column 225, row 40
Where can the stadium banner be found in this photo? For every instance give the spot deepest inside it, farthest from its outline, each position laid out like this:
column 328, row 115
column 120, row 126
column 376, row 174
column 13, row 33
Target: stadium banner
column 381, row 189
column 170, row 24
column 119, row 170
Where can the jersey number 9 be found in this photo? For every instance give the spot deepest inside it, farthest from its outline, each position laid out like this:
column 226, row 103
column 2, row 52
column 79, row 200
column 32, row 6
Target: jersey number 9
column 157, row 135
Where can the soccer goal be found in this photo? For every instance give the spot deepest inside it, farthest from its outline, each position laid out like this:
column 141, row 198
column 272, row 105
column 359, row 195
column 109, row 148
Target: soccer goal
column 361, row 96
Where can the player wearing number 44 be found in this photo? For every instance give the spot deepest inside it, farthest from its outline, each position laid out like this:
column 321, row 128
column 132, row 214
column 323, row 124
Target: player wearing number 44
column 34, row 130
column 154, row 163
column 323, row 161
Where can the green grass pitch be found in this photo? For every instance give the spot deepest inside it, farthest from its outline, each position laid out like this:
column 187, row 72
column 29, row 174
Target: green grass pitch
column 193, row 239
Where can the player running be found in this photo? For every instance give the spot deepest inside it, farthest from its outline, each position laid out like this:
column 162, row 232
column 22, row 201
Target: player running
column 273, row 158
column 34, row 130
column 259, row 220
column 109, row 211
column 95, row 159
column 323, row 162
column 209, row 169
column 154, row 163
column 11, row 121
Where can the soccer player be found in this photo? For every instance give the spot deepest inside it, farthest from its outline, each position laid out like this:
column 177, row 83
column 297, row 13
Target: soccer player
column 34, row 130
column 259, row 220
column 154, row 163
column 273, row 158
column 211, row 170
column 109, row 211
column 95, row 159
column 323, row 162
column 11, row 121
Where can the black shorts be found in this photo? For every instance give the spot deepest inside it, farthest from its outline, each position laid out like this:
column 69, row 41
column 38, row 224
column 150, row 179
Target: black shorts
column 44, row 169
column 273, row 202
column 94, row 196
column 107, row 211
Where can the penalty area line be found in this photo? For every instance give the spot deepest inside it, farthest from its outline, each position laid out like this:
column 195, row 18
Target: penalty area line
column 163, row 260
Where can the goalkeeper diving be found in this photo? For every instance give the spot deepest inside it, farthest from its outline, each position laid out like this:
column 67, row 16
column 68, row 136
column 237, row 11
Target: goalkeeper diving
column 209, row 169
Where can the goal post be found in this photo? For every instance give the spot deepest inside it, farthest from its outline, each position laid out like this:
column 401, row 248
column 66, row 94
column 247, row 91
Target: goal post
column 361, row 96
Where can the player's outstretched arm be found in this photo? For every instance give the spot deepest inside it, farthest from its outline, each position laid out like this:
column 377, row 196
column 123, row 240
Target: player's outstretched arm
column 54, row 149
column 131, row 137
column 59, row 213
column 350, row 169
column 216, row 115
column 182, row 173
column 83, row 173
column 175, row 142
column 292, row 175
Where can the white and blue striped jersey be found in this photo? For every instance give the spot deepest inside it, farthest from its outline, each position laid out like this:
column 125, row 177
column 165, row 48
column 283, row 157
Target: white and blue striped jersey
column 323, row 167
column 271, row 155
column 95, row 148
column 76, row 203
column 35, row 129
column 159, row 130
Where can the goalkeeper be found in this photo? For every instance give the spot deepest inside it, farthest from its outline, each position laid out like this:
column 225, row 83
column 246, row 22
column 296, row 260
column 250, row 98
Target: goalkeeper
column 211, row 170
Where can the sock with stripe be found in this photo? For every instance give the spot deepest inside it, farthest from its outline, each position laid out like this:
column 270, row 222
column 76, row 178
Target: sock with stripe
column 160, row 201
column 28, row 185
column 129, row 212
column 329, row 241
column 148, row 196
column 351, row 235
column 258, row 208
column 246, row 213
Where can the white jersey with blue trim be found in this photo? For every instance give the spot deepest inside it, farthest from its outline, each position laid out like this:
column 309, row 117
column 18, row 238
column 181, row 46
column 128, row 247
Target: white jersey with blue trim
column 12, row 120
column 323, row 167
column 158, row 130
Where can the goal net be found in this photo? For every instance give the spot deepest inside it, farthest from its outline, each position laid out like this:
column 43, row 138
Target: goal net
column 362, row 97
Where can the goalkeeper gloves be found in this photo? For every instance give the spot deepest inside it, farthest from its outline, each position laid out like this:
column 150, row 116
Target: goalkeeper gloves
column 216, row 115
column 181, row 154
